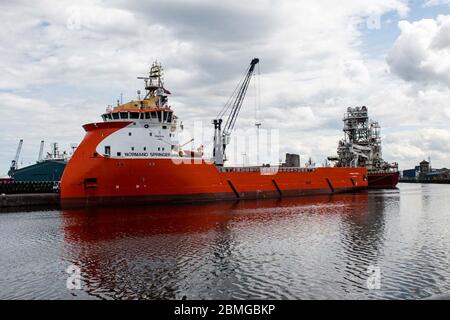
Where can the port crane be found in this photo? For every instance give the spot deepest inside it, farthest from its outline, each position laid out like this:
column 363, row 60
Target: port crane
column 41, row 151
column 231, row 110
column 15, row 162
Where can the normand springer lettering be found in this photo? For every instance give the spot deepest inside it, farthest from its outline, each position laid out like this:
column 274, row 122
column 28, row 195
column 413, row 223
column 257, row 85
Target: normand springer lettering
column 145, row 154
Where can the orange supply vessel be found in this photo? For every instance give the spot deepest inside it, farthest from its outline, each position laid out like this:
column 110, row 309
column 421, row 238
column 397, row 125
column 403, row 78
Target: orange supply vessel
column 133, row 155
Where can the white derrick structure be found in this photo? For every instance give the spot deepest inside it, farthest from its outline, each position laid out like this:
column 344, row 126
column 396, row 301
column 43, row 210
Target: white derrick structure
column 361, row 146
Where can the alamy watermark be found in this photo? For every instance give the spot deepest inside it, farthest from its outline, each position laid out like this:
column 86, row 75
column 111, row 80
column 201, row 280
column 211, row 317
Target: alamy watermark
column 373, row 281
column 73, row 281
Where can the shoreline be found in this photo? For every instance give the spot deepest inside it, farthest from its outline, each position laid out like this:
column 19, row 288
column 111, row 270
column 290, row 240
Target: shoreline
column 29, row 199
column 425, row 181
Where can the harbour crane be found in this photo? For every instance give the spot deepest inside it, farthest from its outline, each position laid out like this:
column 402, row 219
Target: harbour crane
column 41, row 151
column 231, row 110
column 15, row 162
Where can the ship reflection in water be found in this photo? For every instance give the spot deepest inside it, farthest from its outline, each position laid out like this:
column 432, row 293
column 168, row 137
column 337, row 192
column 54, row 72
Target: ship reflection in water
column 318, row 247
column 309, row 248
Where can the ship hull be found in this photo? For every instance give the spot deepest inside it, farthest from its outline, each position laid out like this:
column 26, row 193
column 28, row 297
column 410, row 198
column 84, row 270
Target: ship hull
column 90, row 178
column 383, row 180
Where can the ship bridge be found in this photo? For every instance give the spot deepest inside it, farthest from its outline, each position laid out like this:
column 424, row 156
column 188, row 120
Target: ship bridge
column 162, row 115
column 153, row 107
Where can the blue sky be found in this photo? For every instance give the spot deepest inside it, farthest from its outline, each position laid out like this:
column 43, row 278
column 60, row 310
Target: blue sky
column 377, row 42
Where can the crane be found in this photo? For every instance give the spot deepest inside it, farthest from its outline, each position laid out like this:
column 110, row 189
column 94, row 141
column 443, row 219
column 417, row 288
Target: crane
column 15, row 162
column 231, row 110
column 41, row 151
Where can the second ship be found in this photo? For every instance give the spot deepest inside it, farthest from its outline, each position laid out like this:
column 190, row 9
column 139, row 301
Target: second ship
column 361, row 147
column 134, row 155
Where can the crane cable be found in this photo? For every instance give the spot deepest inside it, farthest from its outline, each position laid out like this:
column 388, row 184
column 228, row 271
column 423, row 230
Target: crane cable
column 229, row 103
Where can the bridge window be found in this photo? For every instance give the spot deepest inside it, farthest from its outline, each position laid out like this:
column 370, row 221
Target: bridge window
column 147, row 115
column 169, row 116
column 115, row 116
column 159, row 116
column 108, row 116
column 154, row 115
column 134, row 115
column 124, row 115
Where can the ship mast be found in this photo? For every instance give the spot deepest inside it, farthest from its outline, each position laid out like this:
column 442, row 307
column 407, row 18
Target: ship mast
column 154, row 85
column 231, row 110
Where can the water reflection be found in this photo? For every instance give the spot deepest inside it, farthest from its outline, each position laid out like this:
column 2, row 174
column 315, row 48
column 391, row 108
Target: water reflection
column 362, row 240
column 225, row 250
column 308, row 248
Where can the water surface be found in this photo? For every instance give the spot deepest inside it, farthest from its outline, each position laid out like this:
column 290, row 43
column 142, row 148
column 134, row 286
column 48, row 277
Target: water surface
column 310, row 248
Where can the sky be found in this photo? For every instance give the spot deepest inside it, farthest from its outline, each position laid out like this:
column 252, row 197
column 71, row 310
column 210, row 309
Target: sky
column 62, row 64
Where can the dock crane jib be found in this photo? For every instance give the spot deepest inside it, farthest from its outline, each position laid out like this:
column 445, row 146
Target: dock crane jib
column 15, row 162
column 41, row 151
column 222, row 136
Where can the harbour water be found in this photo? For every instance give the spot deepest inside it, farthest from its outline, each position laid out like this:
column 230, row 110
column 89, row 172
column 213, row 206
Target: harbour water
column 376, row 245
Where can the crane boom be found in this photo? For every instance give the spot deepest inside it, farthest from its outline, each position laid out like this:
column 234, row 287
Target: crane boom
column 41, row 151
column 232, row 108
column 16, row 158
column 237, row 104
column 15, row 162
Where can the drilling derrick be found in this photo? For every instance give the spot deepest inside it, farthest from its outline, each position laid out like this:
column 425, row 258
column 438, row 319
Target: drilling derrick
column 361, row 146
column 355, row 149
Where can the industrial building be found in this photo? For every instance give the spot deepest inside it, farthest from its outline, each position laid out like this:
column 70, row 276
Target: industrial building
column 425, row 173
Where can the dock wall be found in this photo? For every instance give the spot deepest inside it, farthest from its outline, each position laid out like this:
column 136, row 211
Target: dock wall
column 25, row 200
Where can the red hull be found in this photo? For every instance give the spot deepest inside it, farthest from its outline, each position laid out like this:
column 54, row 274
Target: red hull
column 90, row 178
column 383, row 180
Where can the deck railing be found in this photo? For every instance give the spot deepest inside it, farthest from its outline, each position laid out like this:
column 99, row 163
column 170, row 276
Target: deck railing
column 265, row 170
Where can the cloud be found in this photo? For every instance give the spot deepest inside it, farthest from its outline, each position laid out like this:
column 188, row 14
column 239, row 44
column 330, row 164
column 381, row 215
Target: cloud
column 431, row 3
column 412, row 147
column 72, row 60
column 422, row 51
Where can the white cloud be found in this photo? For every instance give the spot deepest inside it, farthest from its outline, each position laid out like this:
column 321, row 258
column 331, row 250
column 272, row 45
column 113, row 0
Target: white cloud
column 422, row 51
column 431, row 3
column 420, row 144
